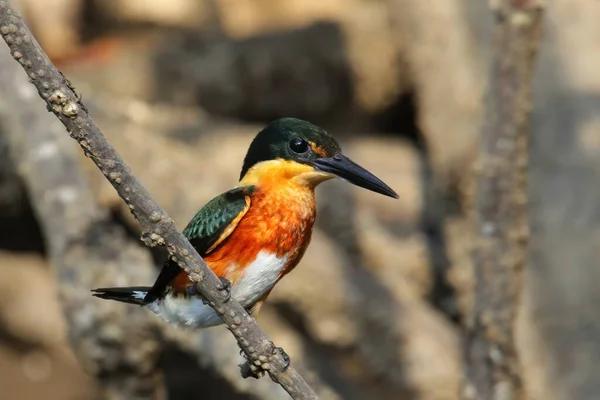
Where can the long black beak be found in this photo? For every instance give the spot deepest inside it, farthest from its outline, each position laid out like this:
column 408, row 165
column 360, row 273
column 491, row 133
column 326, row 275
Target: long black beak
column 345, row 168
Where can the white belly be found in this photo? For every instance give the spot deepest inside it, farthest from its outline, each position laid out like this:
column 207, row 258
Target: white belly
column 258, row 278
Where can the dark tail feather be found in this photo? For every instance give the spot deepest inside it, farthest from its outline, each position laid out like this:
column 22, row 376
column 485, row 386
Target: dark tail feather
column 131, row 295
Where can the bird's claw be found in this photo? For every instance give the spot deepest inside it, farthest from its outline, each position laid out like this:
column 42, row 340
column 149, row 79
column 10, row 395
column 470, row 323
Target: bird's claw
column 191, row 290
column 284, row 355
column 225, row 286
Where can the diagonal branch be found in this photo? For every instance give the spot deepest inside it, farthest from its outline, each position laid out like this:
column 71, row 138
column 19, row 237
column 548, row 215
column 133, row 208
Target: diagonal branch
column 159, row 228
column 500, row 248
column 83, row 244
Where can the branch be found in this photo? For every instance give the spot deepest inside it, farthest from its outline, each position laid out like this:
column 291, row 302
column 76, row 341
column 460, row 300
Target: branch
column 84, row 246
column 500, row 249
column 159, row 228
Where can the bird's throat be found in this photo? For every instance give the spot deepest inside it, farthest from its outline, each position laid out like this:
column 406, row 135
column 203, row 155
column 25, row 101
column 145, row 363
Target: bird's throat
column 281, row 173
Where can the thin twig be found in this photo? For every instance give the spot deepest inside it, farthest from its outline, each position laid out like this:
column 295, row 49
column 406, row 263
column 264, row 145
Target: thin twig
column 500, row 205
column 158, row 227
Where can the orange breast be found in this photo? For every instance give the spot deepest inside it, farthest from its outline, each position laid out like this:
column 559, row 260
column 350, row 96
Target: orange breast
column 279, row 220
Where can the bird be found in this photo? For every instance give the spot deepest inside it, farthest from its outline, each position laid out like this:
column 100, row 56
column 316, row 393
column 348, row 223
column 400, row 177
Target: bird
column 256, row 233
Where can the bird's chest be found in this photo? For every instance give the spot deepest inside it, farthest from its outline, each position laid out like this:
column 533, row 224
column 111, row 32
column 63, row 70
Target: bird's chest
column 268, row 242
column 279, row 221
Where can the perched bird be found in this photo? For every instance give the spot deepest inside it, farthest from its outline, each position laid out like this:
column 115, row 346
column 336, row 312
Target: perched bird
column 254, row 234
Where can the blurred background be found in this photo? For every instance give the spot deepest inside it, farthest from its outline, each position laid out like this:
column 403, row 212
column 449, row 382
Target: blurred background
column 376, row 310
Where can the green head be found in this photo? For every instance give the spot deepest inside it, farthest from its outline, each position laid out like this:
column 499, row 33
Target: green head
column 300, row 141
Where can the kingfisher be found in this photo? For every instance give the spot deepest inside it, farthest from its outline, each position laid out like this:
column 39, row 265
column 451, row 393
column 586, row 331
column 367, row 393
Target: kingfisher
column 256, row 233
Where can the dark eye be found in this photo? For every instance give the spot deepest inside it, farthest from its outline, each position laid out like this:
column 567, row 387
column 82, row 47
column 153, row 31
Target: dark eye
column 299, row 145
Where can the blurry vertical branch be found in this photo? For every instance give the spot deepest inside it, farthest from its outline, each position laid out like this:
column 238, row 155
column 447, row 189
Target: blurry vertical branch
column 159, row 228
column 500, row 251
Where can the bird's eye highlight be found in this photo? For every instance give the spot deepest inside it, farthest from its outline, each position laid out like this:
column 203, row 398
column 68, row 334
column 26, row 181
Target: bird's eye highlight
column 299, row 146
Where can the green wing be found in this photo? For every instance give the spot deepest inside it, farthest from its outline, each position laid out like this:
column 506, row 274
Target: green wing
column 208, row 228
column 214, row 219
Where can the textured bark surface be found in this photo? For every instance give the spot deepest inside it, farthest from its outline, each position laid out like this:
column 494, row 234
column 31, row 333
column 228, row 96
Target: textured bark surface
column 158, row 226
column 500, row 248
column 118, row 346
column 414, row 59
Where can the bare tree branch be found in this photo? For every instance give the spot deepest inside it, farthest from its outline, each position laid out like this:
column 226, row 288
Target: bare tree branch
column 84, row 245
column 500, row 204
column 159, row 228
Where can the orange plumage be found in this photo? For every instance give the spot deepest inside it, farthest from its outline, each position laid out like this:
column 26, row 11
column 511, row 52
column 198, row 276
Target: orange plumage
column 278, row 220
column 254, row 234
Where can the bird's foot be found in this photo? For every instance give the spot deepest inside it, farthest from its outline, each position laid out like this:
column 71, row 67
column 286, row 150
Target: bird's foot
column 225, row 287
column 283, row 354
column 191, row 290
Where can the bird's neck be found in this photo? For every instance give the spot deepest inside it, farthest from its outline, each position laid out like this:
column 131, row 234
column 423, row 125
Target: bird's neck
column 284, row 192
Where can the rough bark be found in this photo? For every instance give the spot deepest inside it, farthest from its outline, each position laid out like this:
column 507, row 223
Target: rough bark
column 159, row 228
column 118, row 346
column 500, row 248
